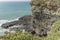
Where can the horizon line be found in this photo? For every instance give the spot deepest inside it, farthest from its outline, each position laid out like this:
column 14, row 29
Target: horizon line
column 15, row 0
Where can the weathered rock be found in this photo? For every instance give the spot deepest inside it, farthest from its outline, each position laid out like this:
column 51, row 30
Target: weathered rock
column 44, row 14
column 26, row 20
column 20, row 28
column 9, row 24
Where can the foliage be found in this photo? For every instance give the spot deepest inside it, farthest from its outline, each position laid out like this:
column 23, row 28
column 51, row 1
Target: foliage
column 20, row 36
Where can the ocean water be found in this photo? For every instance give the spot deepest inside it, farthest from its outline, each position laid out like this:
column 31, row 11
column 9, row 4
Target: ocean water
column 13, row 10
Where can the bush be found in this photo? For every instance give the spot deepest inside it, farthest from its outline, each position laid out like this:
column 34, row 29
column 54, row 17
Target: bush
column 20, row 36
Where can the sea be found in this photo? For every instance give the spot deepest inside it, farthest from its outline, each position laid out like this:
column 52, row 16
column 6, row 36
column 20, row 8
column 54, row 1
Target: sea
column 10, row 11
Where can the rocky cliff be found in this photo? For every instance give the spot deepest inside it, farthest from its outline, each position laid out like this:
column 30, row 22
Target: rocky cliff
column 44, row 14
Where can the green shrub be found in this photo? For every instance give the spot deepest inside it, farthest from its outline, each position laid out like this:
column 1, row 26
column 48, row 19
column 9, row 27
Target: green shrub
column 20, row 36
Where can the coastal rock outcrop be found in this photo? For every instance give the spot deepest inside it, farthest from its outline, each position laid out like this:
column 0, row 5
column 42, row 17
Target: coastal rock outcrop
column 23, row 23
column 44, row 14
column 25, row 20
column 9, row 24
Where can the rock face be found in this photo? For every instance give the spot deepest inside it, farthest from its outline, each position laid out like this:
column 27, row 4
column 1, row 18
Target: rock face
column 44, row 14
column 23, row 23
column 25, row 20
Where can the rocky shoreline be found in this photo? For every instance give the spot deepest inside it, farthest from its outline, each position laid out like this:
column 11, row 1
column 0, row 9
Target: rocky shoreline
column 23, row 23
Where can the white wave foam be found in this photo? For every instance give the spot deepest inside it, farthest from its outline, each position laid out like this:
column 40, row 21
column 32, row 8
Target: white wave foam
column 13, row 19
column 4, row 21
